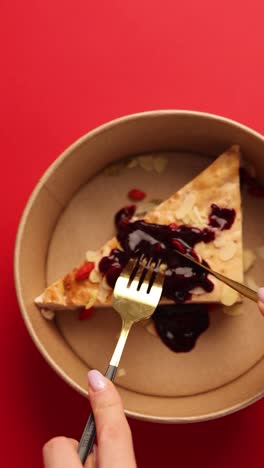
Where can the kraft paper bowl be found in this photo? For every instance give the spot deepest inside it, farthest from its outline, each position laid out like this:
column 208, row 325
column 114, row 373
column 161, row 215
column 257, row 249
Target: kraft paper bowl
column 65, row 214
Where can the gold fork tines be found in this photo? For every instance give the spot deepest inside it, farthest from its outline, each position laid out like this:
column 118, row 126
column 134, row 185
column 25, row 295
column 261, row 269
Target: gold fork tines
column 136, row 295
column 137, row 299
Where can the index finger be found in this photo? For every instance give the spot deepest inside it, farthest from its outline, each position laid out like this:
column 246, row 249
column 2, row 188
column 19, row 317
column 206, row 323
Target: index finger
column 115, row 446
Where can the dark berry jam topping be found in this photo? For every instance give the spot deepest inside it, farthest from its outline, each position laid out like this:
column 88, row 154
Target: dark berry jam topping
column 221, row 218
column 112, row 265
column 124, row 215
column 179, row 326
column 161, row 242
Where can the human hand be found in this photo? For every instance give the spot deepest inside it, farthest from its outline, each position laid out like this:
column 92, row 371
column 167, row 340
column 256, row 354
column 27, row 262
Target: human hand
column 261, row 300
column 115, row 445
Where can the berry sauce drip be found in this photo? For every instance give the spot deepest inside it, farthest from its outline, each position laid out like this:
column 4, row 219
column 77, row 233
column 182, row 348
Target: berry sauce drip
column 179, row 326
column 221, row 218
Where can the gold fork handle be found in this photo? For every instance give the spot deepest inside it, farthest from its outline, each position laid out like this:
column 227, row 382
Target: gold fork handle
column 241, row 288
column 126, row 327
column 88, row 435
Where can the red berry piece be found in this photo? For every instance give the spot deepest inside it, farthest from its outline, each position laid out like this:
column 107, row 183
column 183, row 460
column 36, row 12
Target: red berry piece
column 157, row 248
column 136, row 195
column 85, row 313
column 178, row 246
column 194, row 255
column 173, row 225
column 84, row 271
column 112, row 275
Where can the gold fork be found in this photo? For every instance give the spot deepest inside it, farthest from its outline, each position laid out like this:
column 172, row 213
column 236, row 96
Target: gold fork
column 136, row 295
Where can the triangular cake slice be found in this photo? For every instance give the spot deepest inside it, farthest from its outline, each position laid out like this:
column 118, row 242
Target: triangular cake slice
column 217, row 185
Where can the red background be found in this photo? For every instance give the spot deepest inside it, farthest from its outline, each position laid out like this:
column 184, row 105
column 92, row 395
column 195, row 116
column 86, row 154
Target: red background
column 67, row 66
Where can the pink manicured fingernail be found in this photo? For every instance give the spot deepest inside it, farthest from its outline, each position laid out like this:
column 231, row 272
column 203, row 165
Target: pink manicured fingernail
column 96, row 380
column 261, row 294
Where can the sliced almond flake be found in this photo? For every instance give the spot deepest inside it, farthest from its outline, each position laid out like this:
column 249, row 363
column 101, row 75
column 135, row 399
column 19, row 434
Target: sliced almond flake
column 220, row 241
column 227, row 252
column 186, row 220
column 155, row 217
column 197, row 291
column 92, row 299
column 186, row 206
column 235, row 235
column 95, row 276
column 121, row 372
column 144, row 208
column 102, row 295
column 39, row 300
column 196, row 216
column 132, row 163
column 200, row 249
column 160, row 164
column 105, row 285
column 252, row 283
column 112, row 244
column 146, row 162
column 260, row 252
column 56, row 296
column 103, row 291
column 47, row 314
column 104, row 251
column 229, row 296
column 91, row 255
column 114, row 169
column 151, row 328
column 248, row 259
column 234, row 310
column 167, row 218
column 140, row 215
column 223, row 238
column 96, row 265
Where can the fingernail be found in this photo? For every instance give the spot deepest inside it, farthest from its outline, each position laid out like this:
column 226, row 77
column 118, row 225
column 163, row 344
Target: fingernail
column 261, row 294
column 96, row 380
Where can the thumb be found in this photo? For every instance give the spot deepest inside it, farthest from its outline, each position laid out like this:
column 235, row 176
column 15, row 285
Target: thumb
column 115, row 446
column 61, row 452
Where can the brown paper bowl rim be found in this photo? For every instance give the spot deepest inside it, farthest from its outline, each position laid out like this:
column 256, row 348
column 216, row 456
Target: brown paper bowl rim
column 101, row 129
